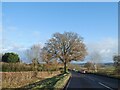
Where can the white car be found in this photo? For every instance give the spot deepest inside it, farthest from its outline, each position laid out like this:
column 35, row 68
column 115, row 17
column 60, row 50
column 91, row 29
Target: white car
column 83, row 71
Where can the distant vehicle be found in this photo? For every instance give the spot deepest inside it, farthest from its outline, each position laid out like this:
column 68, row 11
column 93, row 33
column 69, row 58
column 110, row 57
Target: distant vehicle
column 83, row 71
column 73, row 69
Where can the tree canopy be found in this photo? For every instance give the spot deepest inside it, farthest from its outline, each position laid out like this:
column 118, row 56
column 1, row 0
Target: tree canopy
column 64, row 47
column 10, row 58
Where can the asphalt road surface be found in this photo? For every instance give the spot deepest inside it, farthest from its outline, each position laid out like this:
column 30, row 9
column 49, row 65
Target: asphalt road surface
column 93, row 82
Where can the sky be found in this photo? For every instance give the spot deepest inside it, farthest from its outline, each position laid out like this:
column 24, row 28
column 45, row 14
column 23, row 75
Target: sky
column 25, row 24
column 60, row 0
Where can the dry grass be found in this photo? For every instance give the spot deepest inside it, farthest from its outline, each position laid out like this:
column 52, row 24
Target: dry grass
column 19, row 79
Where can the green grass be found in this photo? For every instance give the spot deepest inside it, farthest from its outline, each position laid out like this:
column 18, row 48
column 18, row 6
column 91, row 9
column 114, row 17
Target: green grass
column 108, row 71
column 53, row 83
column 61, row 83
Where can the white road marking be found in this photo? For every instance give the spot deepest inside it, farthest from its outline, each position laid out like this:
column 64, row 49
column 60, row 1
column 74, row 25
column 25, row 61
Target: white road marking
column 91, row 79
column 87, row 77
column 105, row 86
column 68, row 83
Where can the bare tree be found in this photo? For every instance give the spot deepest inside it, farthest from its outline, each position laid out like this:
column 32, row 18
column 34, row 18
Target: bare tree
column 95, row 58
column 88, row 65
column 46, row 56
column 33, row 54
column 65, row 47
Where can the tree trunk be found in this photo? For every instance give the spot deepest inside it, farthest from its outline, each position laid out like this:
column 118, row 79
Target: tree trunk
column 65, row 67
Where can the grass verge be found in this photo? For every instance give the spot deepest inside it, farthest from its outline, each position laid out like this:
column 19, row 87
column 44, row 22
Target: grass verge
column 111, row 75
column 57, row 82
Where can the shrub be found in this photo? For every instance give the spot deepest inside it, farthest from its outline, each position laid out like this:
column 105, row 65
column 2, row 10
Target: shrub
column 10, row 67
column 14, row 67
column 10, row 58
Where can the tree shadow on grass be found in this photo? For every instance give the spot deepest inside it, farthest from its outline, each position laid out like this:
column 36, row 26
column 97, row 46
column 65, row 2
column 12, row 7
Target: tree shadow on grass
column 46, row 84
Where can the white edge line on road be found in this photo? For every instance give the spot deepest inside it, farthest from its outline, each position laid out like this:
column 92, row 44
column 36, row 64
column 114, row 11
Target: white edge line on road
column 68, row 82
column 105, row 86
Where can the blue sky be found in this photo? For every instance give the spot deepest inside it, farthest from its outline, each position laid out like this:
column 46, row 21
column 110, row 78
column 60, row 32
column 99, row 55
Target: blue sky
column 25, row 24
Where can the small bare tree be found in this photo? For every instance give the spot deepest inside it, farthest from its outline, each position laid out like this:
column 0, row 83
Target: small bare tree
column 33, row 54
column 95, row 58
column 88, row 65
column 46, row 56
column 64, row 47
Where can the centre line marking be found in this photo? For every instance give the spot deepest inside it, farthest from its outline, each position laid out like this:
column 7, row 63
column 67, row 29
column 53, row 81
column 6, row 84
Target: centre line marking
column 105, row 86
column 91, row 79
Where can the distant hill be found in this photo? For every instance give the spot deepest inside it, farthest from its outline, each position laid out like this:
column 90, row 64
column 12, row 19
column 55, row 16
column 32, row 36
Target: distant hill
column 82, row 64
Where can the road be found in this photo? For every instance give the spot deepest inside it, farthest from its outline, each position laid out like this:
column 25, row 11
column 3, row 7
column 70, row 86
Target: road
column 93, row 82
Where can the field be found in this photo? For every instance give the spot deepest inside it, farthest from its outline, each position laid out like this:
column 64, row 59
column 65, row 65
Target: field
column 20, row 79
column 109, row 71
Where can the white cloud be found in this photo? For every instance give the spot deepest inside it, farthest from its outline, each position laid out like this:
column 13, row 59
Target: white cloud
column 14, row 48
column 105, row 51
column 106, row 48
column 20, row 50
